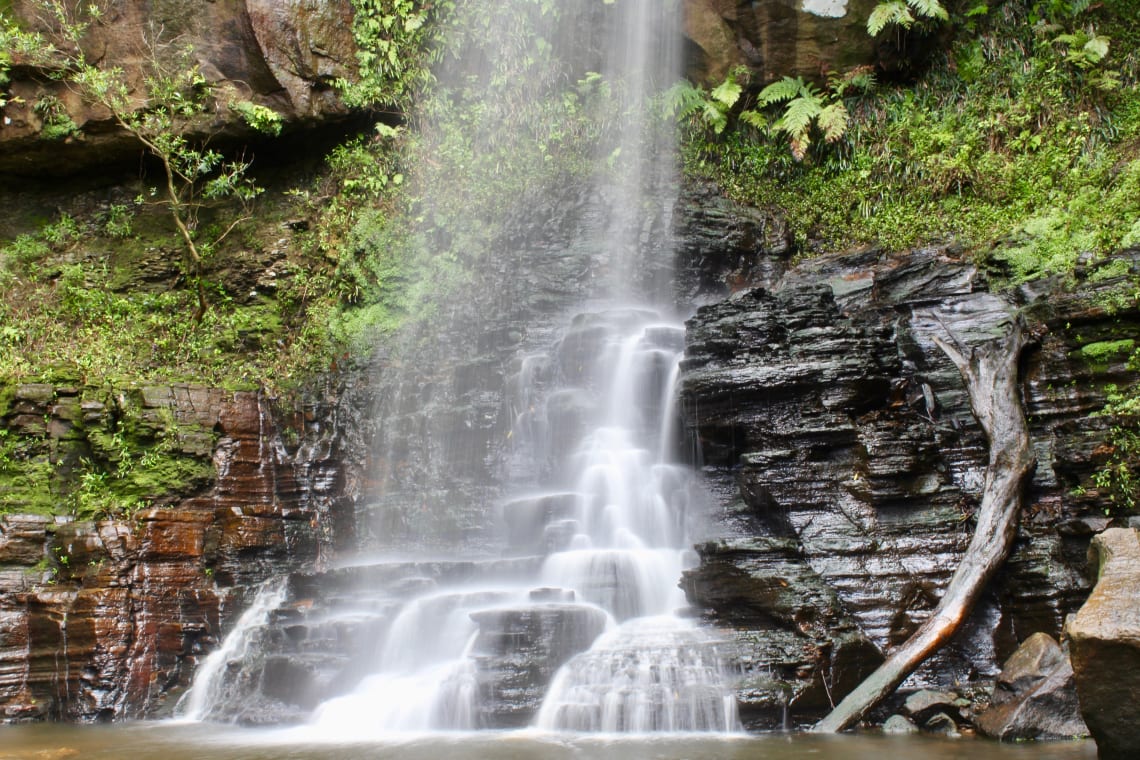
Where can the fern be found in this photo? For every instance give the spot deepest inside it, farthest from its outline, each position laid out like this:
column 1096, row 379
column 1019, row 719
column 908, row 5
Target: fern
column 930, row 9
column 832, row 121
column 885, row 14
column 799, row 115
column 777, row 92
column 727, row 92
column 754, row 119
column 714, row 117
column 683, row 100
column 902, row 13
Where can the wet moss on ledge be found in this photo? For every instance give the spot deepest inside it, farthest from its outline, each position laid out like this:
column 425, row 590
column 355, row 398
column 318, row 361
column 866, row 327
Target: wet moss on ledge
column 95, row 452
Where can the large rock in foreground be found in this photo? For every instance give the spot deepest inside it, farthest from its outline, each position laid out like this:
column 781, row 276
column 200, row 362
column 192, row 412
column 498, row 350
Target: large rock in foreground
column 1105, row 642
column 1034, row 697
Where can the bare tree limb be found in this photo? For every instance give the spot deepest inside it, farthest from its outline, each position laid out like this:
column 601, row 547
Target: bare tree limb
column 990, row 371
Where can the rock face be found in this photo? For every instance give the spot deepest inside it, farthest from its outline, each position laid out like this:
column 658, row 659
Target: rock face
column 1035, row 696
column 105, row 619
column 519, row 650
column 1105, row 642
column 839, row 442
column 778, row 38
column 283, row 55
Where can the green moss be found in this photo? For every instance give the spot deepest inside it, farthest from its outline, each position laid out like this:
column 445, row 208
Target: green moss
column 94, row 464
column 1104, row 351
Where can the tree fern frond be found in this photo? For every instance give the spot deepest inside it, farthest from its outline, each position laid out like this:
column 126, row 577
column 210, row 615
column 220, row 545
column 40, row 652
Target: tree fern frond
column 682, row 99
column 929, row 9
column 1096, row 48
column 754, row 119
column 777, row 92
column 832, row 121
column 798, row 115
column 727, row 92
column 885, row 14
column 799, row 145
column 714, row 117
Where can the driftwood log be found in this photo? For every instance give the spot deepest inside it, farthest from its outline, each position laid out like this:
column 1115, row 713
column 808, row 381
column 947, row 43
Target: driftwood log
column 991, row 373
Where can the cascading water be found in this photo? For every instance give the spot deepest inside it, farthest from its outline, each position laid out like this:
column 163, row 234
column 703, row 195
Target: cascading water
column 582, row 626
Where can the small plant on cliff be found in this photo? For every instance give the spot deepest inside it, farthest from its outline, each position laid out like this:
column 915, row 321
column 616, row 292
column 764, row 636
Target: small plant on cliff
column 806, row 107
column 393, row 39
column 176, row 99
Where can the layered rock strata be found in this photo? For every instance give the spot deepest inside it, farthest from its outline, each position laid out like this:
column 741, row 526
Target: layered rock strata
column 105, row 618
column 839, row 441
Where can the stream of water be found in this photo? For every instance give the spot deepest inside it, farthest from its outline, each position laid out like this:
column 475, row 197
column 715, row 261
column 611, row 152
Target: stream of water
column 591, row 634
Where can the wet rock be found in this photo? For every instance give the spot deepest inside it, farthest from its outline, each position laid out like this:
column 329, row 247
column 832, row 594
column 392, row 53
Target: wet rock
column 923, row 704
column 518, row 651
column 778, row 39
column 1105, row 645
column 136, row 602
column 899, row 725
column 831, row 425
column 1035, row 696
column 22, row 539
column 941, row 723
column 795, row 642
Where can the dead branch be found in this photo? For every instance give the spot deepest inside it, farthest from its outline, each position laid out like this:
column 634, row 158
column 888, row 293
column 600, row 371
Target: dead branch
column 990, row 372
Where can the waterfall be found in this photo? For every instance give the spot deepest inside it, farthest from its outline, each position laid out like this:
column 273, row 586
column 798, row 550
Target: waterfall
column 211, row 682
column 571, row 617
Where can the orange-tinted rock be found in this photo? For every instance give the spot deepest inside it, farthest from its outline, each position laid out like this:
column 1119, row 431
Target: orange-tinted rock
column 779, row 38
column 136, row 602
column 1105, row 644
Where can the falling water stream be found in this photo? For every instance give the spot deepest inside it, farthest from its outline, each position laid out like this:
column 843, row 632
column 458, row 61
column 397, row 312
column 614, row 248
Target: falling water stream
column 588, row 622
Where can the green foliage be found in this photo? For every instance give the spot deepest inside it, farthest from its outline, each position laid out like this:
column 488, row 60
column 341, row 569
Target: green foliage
column 117, row 222
column 176, row 99
column 394, row 49
column 805, row 106
column 1020, row 154
column 57, row 124
column 1102, row 351
column 685, row 102
column 1118, row 476
column 261, row 118
column 107, row 465
column 902, row 13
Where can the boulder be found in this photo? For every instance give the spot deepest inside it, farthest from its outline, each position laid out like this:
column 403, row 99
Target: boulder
column 1105, row 645
column 282, row 55
column 926, row 703
column 778, row 38
column 1035, row 696
column 899, row 725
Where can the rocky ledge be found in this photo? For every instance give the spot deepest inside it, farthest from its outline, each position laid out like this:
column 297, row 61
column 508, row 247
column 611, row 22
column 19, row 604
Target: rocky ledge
column 284, row 55
column 839, row 442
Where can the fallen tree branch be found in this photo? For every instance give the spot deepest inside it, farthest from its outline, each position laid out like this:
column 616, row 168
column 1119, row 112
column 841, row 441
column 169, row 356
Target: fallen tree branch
column 990, row 372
